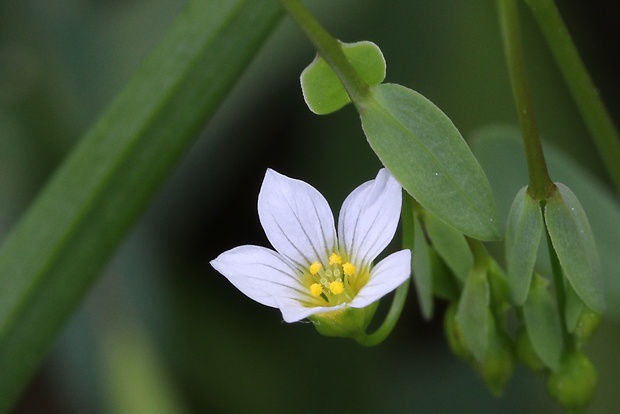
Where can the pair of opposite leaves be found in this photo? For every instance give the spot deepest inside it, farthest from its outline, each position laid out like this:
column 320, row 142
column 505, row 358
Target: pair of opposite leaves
column 413, row 138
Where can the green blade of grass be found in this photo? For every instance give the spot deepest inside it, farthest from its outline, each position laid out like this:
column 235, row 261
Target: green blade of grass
column 63, row 241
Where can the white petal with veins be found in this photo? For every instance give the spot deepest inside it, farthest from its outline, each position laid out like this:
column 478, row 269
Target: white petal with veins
column 296, row 218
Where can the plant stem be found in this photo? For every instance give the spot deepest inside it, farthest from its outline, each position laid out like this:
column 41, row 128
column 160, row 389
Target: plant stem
column 391, row 318
column 329, row 48
column 481, row 256
column 595, row 115
column 540, row 185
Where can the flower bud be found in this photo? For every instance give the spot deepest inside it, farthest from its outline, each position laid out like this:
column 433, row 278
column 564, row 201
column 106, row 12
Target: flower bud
column 587, row 325
column 499, row 364
column 455, row 335
column 574, row 383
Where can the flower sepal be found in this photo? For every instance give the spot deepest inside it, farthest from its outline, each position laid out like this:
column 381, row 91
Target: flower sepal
column 346, row 322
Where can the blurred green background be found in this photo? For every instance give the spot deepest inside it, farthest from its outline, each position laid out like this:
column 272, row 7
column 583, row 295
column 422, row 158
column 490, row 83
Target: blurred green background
column 161, row 331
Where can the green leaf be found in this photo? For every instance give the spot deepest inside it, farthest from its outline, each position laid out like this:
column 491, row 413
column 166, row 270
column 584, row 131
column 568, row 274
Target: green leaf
column 422, row 275
column 472, row 315
column 425, row 152
column 498, row 283
column 542, row 323
column 61, row 245
column 574, row 308
column 500, row 152
column 445, row 284
column 323, row 91
column 451, row 246
column 573, row 242
column 523, row 232
column 413, row 239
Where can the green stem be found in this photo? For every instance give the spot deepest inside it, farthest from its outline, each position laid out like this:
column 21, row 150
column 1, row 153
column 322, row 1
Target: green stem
column 481, row 256
column 540, row 185
column 329, row 48
column 391, row 318
column 595, row 115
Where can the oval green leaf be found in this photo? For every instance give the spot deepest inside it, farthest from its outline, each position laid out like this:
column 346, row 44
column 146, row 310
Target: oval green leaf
column 322, row 89
column 472, row 314
column 451, row 246
column 421, row 147
column 573, row 242
column 523, row 231
column 501, row 154
column 542, row 323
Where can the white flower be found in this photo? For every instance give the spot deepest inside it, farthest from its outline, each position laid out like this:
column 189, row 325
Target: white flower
column 313, row 270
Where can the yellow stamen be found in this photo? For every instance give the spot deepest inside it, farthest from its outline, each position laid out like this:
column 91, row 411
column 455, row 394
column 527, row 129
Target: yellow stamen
column 336, row 287
column 335, row 259
column 316, row 289
column 315, row 267
column 348, row 269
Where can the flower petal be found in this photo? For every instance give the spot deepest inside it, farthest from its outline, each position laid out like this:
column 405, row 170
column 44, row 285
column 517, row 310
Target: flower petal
column 386, row 276
column 296, row 218
column 369, row 217
column 293, row 311
column 262, row 274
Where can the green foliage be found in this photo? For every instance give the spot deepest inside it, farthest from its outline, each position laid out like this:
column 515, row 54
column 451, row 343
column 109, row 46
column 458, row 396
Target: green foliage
column 542, row 320
column 501, row 155
column 421, row 147
column 445, row 284
column 323, row 91
column 523, row 232
column 451, row 246
column 473, row 315
column 574, row 308
column 526, row 352
column 574, row 244
column 587, row 325
column 414, row 239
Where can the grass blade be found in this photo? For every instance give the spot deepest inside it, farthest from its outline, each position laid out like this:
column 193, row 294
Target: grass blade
column 65, row 238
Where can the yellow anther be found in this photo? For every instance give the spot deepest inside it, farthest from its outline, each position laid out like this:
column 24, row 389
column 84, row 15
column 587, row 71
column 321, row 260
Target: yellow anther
column 335, row 259
column 336, row 287
column 316, row 289
column 348, row 269
column 315, row 267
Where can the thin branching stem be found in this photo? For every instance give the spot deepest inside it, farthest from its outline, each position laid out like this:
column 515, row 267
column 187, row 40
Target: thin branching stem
column 329, row 48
